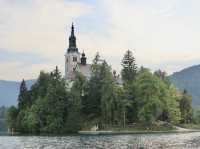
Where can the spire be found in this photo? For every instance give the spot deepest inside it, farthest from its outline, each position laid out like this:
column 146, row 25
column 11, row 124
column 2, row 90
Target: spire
column 72, row 30
column 72, row 41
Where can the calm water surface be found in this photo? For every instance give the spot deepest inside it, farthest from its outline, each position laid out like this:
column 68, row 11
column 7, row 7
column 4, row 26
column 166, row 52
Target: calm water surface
column 147, row 141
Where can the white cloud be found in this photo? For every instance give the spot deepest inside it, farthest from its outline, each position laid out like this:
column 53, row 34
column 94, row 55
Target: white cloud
column 39, row 27
column 18, row 70
column 158, row 31
column 163, row 34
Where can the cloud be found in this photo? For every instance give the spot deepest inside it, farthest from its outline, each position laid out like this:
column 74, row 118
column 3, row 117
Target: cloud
column 158, row 32
column 163, row 34
column 18, row 71
column 38, row 27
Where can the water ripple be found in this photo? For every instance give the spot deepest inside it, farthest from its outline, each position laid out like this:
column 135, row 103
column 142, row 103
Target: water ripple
column 147, row 141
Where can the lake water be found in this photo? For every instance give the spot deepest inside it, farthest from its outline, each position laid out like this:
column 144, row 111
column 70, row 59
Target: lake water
column 146, row 141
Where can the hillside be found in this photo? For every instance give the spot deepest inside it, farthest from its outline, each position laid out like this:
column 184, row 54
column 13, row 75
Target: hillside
column 189, row 79
column 9, row 91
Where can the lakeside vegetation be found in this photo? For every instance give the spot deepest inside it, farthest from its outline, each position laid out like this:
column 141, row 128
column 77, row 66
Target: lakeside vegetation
column 2, row 119
column 144, row 99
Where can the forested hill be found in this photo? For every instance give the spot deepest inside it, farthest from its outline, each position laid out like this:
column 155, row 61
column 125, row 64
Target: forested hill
column 189, row 79
column 9, row 91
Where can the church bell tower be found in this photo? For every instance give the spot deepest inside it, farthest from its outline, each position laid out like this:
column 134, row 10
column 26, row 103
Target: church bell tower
column 72, row 56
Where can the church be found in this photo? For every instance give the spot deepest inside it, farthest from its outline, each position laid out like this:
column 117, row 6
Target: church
column 74, row 60
column 77, row 62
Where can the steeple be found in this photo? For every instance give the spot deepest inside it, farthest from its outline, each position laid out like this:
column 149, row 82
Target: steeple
column 72, row 30
column 72, row 41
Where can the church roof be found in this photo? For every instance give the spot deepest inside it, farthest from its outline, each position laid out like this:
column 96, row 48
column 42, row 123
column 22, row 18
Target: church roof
column 85, row 69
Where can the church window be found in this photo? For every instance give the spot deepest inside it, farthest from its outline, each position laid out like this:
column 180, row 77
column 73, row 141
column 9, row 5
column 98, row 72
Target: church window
column 74, row 59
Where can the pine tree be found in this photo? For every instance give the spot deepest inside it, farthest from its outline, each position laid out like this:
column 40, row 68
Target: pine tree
column 57, row 103
column 107, row 94
column 23, row 95
column 94, row 94
column 129, row 67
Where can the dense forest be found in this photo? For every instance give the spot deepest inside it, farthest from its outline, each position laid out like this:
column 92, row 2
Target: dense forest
column 53, row 105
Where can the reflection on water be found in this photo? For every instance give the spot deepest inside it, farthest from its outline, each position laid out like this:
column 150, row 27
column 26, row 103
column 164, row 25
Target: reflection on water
column 150, row 141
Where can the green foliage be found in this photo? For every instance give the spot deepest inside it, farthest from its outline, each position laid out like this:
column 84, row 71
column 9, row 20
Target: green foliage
column 145, row 98
column 129, row 67
column 95, row 83
column 40, row 88
column 108, row 97
column 150, row 95
column 23, row 95
column 171, row 111
column 44, row 109
column 156, row 98
column 162, row 75
column 74, row 121
column 11, row 117
column 186, row 107
column 196, row 117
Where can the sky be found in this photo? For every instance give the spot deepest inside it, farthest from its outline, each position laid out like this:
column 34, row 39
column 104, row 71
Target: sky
column 163, row 34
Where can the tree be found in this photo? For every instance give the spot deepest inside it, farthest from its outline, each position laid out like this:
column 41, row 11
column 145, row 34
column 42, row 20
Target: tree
column 171, row 112
column 79, row 90
column 93, row 100
column 129, row 67
column 39, row 89
column 107, row 95
column 57, row 103
column 77, row 104
column 163, row 76
column 23, row 96
column 129, row 72
column 196, row 117
column 150, row 96
column 48, row 110
column 31, row 120
column 186, row 107
column 11, row 118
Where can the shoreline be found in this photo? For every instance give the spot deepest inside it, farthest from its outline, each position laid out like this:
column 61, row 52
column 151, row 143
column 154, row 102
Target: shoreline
column 108, row 132
column 133, row 132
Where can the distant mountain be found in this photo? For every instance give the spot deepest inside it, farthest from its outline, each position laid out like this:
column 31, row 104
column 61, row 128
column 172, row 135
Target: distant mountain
column 9, row 91
column 189, row 79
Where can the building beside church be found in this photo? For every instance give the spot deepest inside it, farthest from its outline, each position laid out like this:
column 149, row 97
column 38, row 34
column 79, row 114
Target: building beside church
column 74, row 60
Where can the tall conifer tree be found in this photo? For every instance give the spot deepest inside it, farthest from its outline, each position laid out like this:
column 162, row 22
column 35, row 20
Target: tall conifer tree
column 22, row 98
column 129, row 67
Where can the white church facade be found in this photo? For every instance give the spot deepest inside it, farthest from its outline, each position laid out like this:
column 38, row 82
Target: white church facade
column 74, row 60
